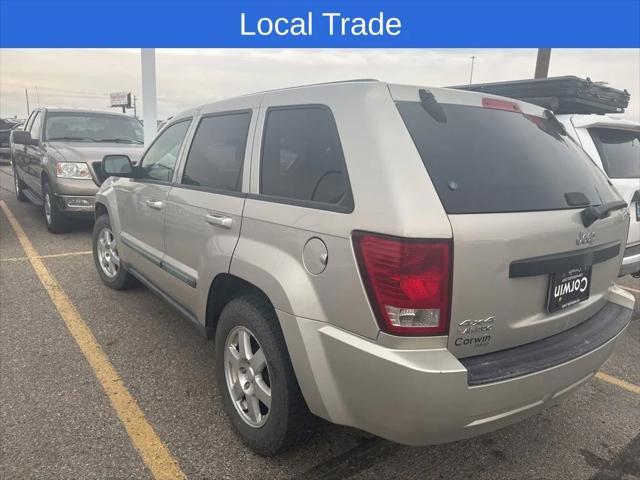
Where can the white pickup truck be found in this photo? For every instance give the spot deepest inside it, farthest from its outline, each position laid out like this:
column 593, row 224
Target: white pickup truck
column 614, row 145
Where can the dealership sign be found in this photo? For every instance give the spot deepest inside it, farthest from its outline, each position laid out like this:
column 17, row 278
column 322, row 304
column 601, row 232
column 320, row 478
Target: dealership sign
column 120, row 99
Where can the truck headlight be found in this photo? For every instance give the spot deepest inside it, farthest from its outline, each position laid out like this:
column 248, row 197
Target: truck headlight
column 72, row 170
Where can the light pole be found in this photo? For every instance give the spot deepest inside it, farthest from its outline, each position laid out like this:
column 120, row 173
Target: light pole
column 149, row 108
column 473, row 59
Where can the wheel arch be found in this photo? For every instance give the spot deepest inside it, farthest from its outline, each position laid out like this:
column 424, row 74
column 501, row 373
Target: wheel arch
column 224, row 288
column 100, row 209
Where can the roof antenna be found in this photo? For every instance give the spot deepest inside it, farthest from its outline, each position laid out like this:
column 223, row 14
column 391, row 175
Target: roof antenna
column 431, row 106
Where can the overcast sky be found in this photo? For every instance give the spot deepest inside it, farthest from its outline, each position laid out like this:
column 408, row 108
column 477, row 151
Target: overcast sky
column 83, row 78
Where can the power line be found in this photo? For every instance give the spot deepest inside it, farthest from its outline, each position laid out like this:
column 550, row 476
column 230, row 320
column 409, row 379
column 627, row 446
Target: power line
column 76, row 93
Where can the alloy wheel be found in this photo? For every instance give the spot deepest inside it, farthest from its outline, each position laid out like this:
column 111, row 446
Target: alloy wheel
column 108, row 253
column 47, row 207
column 247, row 375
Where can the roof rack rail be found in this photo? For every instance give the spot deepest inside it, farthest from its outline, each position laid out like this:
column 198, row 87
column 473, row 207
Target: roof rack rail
column 355, row 80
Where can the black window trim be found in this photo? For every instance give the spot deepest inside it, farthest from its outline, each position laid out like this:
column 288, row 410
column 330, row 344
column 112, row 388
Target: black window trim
column 219, row 191
column 166, row 127
column 32, row 115
column 42, row 125
column 330, row 207
column 293, row 201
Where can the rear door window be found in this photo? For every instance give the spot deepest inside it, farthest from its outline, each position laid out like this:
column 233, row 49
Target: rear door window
column 217, row 152
column 619, row 151
column 302, row 158
column 484, row 160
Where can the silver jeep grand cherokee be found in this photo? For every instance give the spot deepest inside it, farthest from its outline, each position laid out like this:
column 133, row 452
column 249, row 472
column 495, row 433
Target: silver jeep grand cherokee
column 423, row 264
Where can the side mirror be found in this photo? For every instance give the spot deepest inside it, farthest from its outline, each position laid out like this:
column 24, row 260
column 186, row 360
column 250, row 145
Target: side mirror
column 117, row 166
column 20, row 137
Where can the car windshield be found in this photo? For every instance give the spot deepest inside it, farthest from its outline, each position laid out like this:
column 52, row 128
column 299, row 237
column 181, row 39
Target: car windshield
column 484, row 160
column 619, row 151
column 92, row 127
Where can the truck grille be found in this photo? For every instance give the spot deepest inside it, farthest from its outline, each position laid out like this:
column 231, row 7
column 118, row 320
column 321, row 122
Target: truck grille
column 4, row 138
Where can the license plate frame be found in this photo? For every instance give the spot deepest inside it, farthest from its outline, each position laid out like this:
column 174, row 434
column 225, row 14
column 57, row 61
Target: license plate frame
column 568, row 288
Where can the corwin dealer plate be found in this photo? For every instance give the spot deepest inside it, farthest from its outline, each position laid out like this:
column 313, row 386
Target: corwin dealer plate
column 569, row 288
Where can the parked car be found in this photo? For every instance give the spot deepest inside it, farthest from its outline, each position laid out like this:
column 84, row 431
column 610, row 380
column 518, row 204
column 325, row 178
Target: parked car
column 56, row 159
column 6, row 125
column 422, row 264
column 587, row 109
column 614, row 145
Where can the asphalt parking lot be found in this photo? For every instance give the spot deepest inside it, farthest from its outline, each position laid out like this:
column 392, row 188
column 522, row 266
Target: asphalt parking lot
column 58, row 419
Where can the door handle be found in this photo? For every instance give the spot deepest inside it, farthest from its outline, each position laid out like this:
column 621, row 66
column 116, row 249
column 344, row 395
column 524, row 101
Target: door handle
column 155, row 204
column 219, row 220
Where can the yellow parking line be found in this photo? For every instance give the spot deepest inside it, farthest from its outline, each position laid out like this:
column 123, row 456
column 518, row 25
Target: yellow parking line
column 154, row 453
column 52, row 255
column 628, row 288
column 618, row 382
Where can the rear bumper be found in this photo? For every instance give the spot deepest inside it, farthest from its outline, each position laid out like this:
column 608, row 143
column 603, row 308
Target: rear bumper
column 422, row 397
column 630, row 261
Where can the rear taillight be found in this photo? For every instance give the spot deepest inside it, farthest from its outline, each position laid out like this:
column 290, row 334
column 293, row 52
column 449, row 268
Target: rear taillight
column 408, row 282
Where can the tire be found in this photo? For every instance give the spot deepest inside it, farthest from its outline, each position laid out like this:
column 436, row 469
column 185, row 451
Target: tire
column 54, row 218
column 19, row 186
column 288, row 421
column 113, row 274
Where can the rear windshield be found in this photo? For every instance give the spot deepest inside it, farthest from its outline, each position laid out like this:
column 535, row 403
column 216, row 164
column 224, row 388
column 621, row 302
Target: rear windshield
column 619, row 151
column 485, row 160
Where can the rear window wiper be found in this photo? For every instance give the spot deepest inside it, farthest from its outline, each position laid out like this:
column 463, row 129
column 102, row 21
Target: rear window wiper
column 591, row 214
column 120, row 140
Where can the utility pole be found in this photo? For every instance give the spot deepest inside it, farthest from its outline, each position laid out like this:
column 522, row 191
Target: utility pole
column 135, row 107
column 473, row 60
column 26, row 94
column 542, row 63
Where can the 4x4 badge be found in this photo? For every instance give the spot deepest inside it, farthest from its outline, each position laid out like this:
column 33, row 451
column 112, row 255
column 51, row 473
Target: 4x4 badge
column 473, row 326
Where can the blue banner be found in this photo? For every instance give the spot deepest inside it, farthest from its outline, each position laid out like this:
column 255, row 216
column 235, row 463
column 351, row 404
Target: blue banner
column 261, row 24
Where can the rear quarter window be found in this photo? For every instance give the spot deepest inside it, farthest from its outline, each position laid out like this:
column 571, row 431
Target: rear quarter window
column 619, row 151
column 484, row 160
column 302, row 158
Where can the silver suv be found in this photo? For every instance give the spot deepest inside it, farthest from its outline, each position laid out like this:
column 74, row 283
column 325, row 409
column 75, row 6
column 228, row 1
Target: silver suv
column 423, row 264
